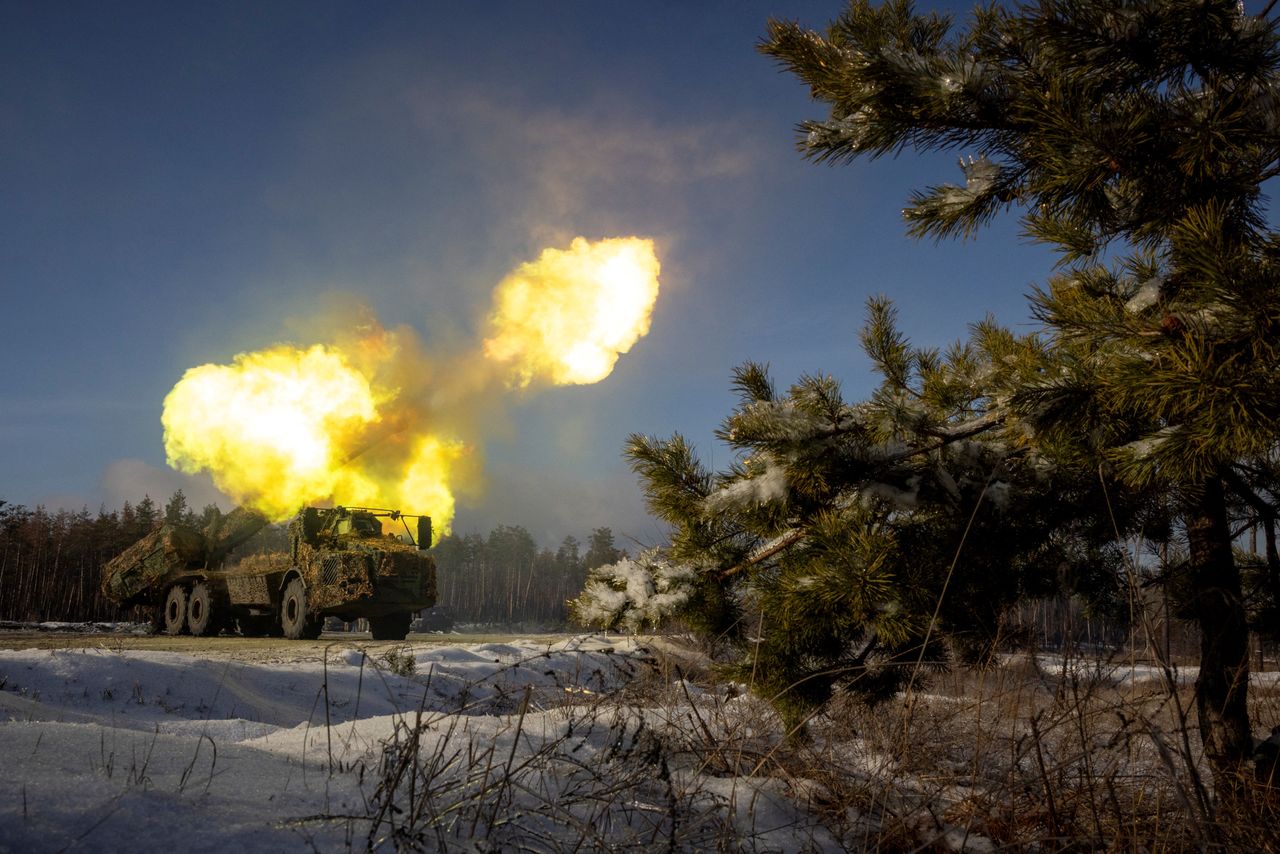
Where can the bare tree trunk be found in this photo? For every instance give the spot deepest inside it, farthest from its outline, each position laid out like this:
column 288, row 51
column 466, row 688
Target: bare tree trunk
column 1223, row 684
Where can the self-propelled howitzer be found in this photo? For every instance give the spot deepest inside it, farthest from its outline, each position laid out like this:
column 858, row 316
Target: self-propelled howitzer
column 339, row 563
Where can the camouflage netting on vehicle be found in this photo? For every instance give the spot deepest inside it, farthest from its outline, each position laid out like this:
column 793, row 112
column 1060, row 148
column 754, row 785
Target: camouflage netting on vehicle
column 262, row 563
column 404, row 563
column 250, row 581
column 137, row 570
column 335, row 577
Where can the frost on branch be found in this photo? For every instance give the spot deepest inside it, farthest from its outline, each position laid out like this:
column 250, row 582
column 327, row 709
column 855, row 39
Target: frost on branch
column 1151, row 457
column 900, row 498
column 979, row 175
column 631, row 594
column 768, row 485
column 773, row 420
column 845, row 132
column 1147, row 295
column 951, row 208
column 950, row 200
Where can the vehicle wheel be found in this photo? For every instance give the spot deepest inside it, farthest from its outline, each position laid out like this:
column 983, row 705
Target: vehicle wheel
column 294, row 619
column 390, row 627
column 202, row 611
column 175, row 611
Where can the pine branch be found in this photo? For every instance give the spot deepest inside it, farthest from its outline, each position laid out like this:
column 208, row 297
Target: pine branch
column 777, row 546
column 1241, row 488
column 751, row 381
column 993, row 418
column 945, row 437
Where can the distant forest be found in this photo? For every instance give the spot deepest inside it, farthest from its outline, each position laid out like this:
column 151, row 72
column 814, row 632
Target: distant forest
column 51, row 564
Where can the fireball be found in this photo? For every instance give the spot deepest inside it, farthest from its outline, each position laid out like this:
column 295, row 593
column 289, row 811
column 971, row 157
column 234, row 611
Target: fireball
column 287, row 426
column 427, row 477
column 567, row 317
column 273, row 427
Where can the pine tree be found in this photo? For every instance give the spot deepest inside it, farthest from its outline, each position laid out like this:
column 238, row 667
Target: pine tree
column 568, row 555
column 176, row 510
column 146, row 517
column 1134, row 137
column 600, row 549
column 854, row 544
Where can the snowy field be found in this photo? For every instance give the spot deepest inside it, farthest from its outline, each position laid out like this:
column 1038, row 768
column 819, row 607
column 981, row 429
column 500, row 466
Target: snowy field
column 522, row 745
column 116, row 741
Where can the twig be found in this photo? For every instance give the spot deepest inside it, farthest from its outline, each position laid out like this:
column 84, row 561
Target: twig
column 782, row 543
column 1168, row 672
column 937, row 608
column 182, row 782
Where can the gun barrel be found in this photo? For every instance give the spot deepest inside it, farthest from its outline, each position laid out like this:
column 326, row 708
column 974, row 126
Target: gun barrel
column 232, row 530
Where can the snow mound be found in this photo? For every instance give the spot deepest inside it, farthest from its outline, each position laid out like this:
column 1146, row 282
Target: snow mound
column 493, row 746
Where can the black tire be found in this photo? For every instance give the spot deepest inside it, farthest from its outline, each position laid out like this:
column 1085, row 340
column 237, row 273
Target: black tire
column 174, row 614
column 204, row 613
column 296, row 622
column 390, row 627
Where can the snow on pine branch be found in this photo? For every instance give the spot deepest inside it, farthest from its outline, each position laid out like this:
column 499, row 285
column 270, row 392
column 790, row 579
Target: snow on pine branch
column 902, row 498
column 631, row 594
column 847, row 131
column 1147, row 295
column 1151, row 446
column 785, row 421
column 769, row 485
column 980, row 175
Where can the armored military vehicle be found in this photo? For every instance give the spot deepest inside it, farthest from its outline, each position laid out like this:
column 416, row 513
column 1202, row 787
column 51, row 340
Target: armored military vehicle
column 340, row 563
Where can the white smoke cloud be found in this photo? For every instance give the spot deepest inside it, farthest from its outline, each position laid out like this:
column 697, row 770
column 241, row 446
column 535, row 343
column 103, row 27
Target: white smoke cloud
column 131, row 479
column 554, row 170
column 552, row 505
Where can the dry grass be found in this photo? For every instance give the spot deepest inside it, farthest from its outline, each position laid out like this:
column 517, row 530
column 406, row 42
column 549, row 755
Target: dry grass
column 1044, row 753
column 596, row 772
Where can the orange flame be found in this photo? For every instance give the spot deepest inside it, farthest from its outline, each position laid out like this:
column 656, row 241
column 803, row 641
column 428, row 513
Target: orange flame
column 567, row 316
column 286, row 426
column 273, row 427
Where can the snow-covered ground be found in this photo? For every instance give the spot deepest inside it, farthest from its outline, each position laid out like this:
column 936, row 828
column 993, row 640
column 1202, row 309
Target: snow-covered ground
column 115, row 743
column 1116, row 670
column 428, row 747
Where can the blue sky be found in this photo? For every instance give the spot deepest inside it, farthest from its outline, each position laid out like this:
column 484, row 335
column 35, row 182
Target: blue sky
column 180, row 182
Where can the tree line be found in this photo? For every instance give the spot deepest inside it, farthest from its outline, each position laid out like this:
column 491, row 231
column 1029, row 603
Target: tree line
column 506, row 578
column 51, row 563
column 51, row 560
